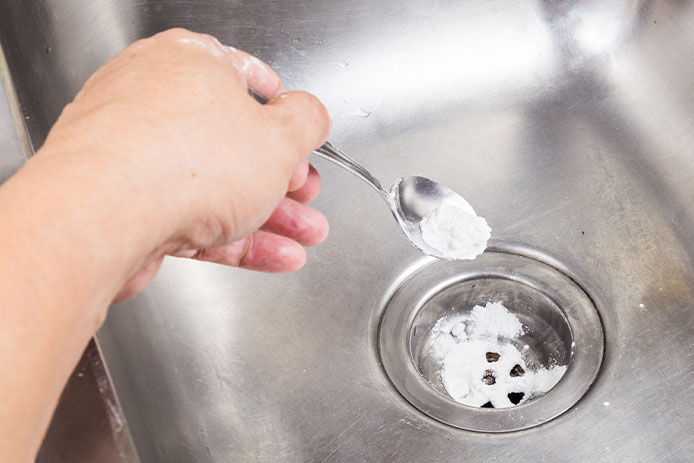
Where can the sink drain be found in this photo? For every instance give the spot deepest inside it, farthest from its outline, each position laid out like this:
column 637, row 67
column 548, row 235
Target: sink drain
column 560, row 327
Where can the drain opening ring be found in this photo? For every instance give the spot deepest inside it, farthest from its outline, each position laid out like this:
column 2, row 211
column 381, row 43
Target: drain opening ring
column 563, row 328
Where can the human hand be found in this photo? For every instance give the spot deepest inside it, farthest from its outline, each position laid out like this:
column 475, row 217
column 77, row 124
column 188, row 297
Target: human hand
column 162, row 152
column 212, row 174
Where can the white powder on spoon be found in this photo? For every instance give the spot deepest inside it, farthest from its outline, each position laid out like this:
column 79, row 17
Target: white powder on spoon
column 480, row 364
column 455, row 232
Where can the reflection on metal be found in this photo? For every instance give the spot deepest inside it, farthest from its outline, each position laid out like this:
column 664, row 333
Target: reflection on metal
column 9, row 101
column 85, row 427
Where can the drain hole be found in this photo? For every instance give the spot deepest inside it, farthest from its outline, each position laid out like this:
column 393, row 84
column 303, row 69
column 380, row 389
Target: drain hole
column 492, row 357
column 488, row 378
column 488, row 405
column 517, row 371
column 516, row 397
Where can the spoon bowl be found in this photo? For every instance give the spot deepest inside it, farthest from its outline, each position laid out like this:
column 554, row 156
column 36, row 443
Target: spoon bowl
column 413, row 197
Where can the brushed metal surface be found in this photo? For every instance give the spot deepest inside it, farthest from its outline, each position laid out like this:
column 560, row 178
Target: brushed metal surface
column 87, row 425
column 570, row 127
column 11, row 156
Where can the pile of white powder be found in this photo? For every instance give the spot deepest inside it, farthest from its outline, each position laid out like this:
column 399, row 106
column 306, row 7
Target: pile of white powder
column 479, row 363
column 455, row 232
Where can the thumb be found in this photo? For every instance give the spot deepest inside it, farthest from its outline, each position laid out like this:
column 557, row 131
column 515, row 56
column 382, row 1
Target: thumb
column 302, row 121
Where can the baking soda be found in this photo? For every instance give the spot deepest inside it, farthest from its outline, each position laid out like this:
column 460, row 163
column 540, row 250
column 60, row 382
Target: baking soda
column 455, row 232
column 480, row 363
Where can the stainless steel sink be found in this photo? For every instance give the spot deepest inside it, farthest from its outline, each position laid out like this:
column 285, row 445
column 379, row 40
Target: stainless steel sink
column 569, row 126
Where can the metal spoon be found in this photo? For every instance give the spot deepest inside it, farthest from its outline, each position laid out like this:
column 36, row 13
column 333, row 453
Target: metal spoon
column 410, row 199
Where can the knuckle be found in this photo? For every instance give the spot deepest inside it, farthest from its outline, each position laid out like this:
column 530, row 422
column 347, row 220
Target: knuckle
column 316, row 119
column 302, row 122
column 315, row 109
column 176, row 33
column 322, row 119
column 246, row 254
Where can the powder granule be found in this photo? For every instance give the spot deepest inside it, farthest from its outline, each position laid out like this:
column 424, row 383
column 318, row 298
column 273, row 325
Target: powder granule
column 455, row 233
column 495, row 320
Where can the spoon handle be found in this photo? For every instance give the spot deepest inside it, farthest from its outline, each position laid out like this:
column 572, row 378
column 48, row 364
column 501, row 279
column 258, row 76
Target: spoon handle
column 329, row 152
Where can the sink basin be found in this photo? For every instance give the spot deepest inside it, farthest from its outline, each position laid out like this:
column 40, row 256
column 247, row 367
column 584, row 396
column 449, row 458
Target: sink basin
column 569, row 127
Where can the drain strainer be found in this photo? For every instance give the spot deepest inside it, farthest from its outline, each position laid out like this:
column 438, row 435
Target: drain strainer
column 561, row 327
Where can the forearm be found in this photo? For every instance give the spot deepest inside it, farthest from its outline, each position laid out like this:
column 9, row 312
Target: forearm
column 67, row 247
